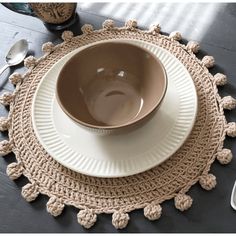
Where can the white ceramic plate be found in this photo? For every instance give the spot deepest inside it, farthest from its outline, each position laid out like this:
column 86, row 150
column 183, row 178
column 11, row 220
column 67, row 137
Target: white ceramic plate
column 117, row 155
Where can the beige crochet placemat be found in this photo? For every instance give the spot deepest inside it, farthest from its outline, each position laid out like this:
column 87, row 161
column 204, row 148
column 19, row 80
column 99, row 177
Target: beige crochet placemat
column 118, row 196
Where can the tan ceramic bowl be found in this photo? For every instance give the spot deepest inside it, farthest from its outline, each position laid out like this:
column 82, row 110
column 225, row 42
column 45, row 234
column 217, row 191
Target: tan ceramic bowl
column 111, row 87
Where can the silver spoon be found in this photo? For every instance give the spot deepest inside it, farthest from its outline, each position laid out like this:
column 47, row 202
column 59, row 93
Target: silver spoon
column 16, row 54
column 233, row 197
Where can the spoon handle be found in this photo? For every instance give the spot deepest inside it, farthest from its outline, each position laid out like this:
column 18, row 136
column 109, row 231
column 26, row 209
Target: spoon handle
column 3, row 68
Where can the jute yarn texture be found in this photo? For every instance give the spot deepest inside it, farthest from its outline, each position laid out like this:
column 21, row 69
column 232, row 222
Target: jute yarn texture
column 118, row 196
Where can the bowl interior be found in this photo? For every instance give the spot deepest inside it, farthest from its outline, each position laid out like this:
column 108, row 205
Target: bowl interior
column 110, row 85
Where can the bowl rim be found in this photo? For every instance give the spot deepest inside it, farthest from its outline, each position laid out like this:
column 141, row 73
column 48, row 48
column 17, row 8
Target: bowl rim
column 129, row 123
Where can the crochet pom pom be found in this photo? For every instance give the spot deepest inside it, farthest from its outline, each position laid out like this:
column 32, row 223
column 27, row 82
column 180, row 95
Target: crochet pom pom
column 208, row 61
column 87, row 28
column 4, row 123
column 153, row 212
column 6, row 98
column 15, row 78
column 228, row 102
column 30, row 62
column 67, row 35
column 220, row 79
column 14, row 170
column 5, row 147
column 87, row 218
column 207, row 182
column 231, row 129
column 30, row 192
column 224, row 156
column 120, row 219
column 193, row 46
column 176, row 35
column 48, row 47
column 154, row 29
column 55, row 206
column 131, row 24
column 183, row 202
column 108, row 24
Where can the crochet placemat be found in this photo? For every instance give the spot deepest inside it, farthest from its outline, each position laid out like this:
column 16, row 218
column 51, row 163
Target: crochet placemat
column 118, row 196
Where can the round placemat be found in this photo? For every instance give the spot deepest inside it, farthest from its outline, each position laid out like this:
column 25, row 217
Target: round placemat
column 118, row 196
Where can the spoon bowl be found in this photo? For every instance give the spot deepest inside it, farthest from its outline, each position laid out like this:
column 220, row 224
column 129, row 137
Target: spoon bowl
column 16, row 54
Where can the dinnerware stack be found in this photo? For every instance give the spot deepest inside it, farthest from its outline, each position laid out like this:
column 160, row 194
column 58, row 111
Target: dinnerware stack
column 70, row 102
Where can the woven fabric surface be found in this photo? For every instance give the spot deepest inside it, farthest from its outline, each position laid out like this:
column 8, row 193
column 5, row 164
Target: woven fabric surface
column 118, row 196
